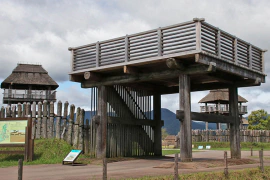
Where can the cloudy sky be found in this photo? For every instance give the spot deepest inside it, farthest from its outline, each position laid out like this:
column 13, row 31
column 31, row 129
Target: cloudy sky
column 40, row 31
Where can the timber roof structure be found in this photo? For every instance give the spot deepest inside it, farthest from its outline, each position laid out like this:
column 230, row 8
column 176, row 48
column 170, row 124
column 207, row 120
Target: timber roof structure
column 29, row 74
column 154, row 59
column 221, row 95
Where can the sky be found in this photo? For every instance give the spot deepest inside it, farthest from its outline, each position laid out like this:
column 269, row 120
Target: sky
column 40, row 32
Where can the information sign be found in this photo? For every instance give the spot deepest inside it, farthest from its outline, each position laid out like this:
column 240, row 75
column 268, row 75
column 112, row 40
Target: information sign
column 72, row 156
column 12, row 131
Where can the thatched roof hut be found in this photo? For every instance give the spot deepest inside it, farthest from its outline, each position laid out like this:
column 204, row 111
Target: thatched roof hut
column 220, row 95
column 25, row 75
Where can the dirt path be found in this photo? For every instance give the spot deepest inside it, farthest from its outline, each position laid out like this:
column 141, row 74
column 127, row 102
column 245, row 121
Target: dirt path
column 134, row 168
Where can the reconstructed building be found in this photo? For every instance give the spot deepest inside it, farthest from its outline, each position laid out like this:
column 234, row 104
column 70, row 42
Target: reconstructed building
column 28, row 83
column 181, row 58
column 217, row 102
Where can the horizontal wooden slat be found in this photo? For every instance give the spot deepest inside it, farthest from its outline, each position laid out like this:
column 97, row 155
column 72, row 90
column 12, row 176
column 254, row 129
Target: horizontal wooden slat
column 206, row 117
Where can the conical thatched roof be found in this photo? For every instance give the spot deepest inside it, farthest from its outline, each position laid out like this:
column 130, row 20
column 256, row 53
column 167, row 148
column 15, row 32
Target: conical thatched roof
column 29, row 74
column 221, row 95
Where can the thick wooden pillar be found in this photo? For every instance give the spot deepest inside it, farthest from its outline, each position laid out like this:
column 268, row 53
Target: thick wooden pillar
column 102, row 125
column 234, row 127
column 185, row 129
column 157, row 119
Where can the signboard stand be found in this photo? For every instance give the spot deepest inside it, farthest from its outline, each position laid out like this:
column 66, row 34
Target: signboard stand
column 71, row 157
column 17, row 132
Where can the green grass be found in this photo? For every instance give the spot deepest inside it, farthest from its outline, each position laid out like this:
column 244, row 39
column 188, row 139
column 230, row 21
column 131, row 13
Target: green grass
column 170, row 151
column 247, row 174
column 46, row 151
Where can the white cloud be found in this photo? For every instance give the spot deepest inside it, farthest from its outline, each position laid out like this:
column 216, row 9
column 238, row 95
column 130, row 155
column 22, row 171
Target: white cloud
column 41, row 32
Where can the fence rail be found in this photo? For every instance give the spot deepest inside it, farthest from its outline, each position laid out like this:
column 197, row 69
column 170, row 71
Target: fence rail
column 190, row 37
column 224, row 136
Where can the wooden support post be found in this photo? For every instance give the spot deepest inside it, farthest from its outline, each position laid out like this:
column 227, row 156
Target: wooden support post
column 81, row 134
column 44, row 119
column 8, row 111
column 13, row 110
column 251, row 151
column 102, row 127
column 51, row 122
column 63, row 133
column 38, row 130
column 28, row 110
column 185, row 129
column 20, row 169
column 261, row 161
column 234, row 127
column 86, row 137
column 2, row 112
column 58, row 120
column 104, row 168
column 76, row 128
column 226, row 173
column 34, row 120
column 176, row 167
column 70, row 124
column 23, row 109
column 157, row 119
column 19, row 110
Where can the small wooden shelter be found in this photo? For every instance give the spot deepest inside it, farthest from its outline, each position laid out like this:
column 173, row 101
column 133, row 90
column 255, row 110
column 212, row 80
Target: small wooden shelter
column 28, row 83
column 217, row 102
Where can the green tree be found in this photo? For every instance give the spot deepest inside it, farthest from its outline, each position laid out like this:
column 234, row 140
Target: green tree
column 164, row 133
column 259, row 120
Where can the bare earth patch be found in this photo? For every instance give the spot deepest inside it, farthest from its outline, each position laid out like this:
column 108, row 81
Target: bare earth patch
column 200, row 164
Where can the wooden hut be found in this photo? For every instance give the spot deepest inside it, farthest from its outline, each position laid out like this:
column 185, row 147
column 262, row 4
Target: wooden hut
column 28, row 83
column 217, row 102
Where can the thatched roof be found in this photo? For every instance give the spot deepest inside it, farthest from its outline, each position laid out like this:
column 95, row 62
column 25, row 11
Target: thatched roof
column 221, row 95
column 29, row 74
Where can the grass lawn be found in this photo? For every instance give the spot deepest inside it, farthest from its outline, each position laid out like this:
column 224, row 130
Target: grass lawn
column 49, row 151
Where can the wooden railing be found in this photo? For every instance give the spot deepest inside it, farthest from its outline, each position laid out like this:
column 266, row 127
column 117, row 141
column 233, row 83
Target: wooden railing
column 10, row 94
column 186, row 38
column 222, row 109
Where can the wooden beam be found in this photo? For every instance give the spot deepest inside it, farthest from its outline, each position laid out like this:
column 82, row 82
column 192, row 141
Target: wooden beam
column 205, row 117
column 92, row 76
column 76, row 78
column 228, row 67
column 122, row 79
column 127, row 121
column 131, row 70
column 172, row 63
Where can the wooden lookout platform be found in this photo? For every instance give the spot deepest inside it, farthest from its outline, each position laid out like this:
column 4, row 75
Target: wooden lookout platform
column 186, row 57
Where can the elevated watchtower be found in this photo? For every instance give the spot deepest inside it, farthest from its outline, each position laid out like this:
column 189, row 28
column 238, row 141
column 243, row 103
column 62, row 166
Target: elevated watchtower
column 28, row 83
column 186, row 57
column 217, row 102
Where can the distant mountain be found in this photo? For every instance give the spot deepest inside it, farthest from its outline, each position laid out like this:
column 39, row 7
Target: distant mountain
column 171, row 124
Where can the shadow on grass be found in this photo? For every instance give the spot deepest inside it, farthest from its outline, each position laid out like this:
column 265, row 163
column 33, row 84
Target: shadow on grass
column 16, row 157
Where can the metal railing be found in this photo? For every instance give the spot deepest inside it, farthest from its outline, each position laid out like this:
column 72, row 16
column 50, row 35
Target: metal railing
column 186, row 38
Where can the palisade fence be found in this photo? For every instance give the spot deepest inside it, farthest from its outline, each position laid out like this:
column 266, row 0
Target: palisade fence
column 130, row 122
column 224, row 136
column 47, row 123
